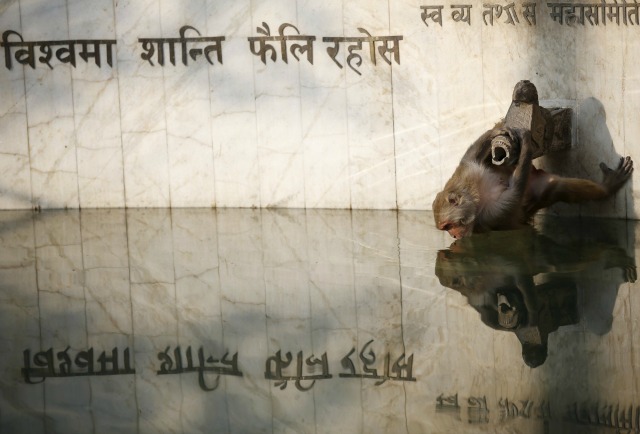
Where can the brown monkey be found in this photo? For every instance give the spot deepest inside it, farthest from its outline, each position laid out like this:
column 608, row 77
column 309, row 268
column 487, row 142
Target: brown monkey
column 481, row 196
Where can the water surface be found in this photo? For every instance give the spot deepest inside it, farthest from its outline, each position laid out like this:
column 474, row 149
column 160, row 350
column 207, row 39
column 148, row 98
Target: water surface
column 314, row 321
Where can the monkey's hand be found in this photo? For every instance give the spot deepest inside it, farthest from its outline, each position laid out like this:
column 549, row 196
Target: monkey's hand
column 613, row 179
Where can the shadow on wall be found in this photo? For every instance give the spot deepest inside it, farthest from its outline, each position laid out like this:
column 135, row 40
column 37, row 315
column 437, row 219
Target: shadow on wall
column 592, row 144
column 22, row 198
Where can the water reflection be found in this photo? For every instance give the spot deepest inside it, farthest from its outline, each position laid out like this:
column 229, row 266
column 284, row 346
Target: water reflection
column 309, row 321
column 527, row 282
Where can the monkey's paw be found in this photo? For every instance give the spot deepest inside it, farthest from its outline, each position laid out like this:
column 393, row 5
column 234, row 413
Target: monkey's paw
column 615, row 178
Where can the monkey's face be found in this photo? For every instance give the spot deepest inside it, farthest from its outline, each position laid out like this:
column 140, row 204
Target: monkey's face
column 457, row 231
column 455, row 213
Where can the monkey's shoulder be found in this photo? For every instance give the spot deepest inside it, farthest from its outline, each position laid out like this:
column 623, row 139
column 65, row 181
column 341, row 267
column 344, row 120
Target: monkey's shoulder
column 489, row 183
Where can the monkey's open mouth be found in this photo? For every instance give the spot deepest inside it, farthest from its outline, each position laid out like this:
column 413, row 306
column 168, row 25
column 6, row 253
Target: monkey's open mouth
column 508, row 316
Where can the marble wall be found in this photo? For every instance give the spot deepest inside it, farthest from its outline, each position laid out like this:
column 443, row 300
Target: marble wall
column 256, row 282
column 247, row 133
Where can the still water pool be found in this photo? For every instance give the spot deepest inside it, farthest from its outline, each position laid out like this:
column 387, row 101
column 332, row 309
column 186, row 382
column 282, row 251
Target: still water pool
column 318, row 321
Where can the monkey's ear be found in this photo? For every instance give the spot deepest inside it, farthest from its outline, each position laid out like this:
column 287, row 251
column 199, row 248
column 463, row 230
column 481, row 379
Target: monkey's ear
column 453, row 199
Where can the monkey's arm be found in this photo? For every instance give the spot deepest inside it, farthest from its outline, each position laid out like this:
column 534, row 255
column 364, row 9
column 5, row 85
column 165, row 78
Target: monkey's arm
column 547, row 189
column 520, row 176
column 506, row 212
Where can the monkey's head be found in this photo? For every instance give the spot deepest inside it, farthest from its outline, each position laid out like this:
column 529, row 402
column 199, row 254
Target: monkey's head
column 454, row 211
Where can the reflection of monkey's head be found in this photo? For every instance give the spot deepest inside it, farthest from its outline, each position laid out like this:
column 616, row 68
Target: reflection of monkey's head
column 483, row 263
column 464, row 272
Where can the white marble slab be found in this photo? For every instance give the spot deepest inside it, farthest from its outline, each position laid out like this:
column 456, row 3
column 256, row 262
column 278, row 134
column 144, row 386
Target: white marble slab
column 143, row 119
column 415, row 119
column 15, row 190
column 233, row 107
column 187, row 112
column 96, row 110
column 51, row 132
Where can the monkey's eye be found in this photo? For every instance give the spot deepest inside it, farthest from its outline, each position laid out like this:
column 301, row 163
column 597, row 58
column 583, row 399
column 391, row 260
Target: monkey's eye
column 447, row 227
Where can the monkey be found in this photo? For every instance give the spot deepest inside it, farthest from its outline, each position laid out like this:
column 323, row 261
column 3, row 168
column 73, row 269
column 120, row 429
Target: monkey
column 480, row 196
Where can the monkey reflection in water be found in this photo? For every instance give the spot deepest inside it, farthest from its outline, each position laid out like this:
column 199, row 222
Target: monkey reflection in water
column 525, row 282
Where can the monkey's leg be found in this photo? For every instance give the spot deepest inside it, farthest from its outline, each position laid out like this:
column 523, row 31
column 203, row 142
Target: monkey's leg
column 545, row 189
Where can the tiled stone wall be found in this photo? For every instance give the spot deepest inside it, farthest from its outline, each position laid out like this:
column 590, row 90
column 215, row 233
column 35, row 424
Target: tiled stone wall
column 250, row 134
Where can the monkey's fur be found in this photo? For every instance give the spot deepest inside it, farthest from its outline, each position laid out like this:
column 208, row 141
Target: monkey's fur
column 481, row 196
